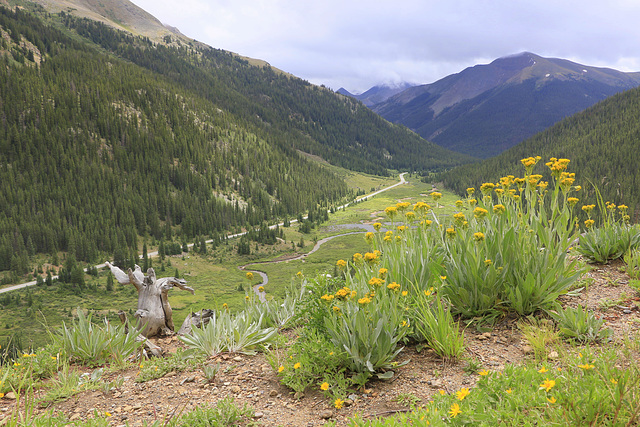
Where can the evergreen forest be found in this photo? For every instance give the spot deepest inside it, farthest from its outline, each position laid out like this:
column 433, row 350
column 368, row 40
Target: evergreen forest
column 107, row 137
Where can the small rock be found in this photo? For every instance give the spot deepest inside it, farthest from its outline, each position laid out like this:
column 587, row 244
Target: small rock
column 626, row 311
column 326, row 414
column 74, row 417
column 188, row 380
column 258, row 415
column 273, row 393
column 353, row 396
column 10, row 395
column 237, row 359
column 527, row 349
column 348, row 402
column 236, row 389
column 553, row 355
column 299, row 395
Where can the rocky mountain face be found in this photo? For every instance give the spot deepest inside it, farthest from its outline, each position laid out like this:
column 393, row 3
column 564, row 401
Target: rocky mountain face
column 486, row 109
column 377, row 94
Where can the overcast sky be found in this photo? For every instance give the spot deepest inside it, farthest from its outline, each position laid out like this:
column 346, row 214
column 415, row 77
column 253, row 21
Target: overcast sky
column 357, row 44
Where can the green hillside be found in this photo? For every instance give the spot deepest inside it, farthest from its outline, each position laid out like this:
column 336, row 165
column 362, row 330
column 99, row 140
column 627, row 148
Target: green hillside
column 107, row 137
column 602, row 143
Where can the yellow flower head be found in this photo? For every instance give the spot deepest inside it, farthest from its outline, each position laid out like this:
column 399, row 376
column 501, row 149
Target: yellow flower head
column 478, row 237
column 499, row 191
column 483, row 373
column 499, row 209
column 542, row 370
column 472, row 202
column 487, row 187
column 357, row 258
column 455, row 410
column 459, row 204
column 364, row 301
column 261, row 289
column 586, row 366
column 393, row 286
column 402, row 206
column 451, row 232
column 342, row 264
column 249, row 275
column 370, row 258
column 338, row 403
column 369, row 237
column 488, row 262
column 589, row 223
column 376, row 281
column 471, row 190
column 588, row 208
column 462, row 393
column 410, row 216
column 297, row 365
column 382, row 273
column 336, row 309
column 551, row 399
column 280, row 369
column 436, row 196
column 391, row 211
column 547, row 385
column 327, row 298
column 421, row 207
column 377, row 226
column 324, row 386
column 299, row 275
column 571, row 201
column 480, row 213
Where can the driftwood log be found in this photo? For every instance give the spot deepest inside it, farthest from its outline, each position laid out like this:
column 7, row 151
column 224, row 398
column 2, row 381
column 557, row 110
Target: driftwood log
column 154, row 313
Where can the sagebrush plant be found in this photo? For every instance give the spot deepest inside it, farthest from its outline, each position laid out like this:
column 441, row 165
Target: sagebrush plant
column 580, row 325
column 235, row 333
column 92, row 345
column 613, row 239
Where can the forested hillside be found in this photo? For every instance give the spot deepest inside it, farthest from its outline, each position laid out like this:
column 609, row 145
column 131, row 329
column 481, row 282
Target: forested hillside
column 602, row 142
column 96, row 151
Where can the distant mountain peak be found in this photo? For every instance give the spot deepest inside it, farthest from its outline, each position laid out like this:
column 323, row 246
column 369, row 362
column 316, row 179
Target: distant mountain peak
column 487, row 108
column 378, row 93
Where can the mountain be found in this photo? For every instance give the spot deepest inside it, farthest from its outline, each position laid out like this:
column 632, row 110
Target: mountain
column 602, row 142
column 487, row 109
column 109, row 137
column 377, row 94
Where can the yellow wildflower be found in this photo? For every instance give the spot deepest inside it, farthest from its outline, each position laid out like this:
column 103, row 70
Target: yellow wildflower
column 405, row 293
column 499, row 209
column 324, row 386
column 487, row 187
column 479, row 212
column 342, row 264
column 391, row 211
column 410, row 216
column 471, row 190
column 462, row 393
column 338, row 403
column 261, row 289
column 478, row 237
column 357, row 258
column 436, row 196
column 451, row 232
column 488, row 262
column 542, row 370
column 588, row 208
column 483, row 373
column 586, row 366
column 509, row 391
column 382, row 273
column 459, row 204
column 377, row 226
column 551, row 400
column 376, row 281
column 369, row 237
column 393, row 286
column 455, row 410
column 249, row 275
column 364, row 301
column 589, row 223
column 547, row 384
column 571, row 201
column 297, row 365
column 370, row 257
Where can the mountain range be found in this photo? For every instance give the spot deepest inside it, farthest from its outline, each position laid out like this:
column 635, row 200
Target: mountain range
column 376, row 94
column 486, row 109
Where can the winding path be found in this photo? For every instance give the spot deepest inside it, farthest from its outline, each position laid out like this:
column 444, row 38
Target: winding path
column 233, row 236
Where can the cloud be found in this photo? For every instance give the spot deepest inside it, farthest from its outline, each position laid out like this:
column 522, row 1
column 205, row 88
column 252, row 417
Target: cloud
column 358, row 43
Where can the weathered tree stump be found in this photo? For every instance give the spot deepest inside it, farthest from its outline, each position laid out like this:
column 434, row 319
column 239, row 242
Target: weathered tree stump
column 198, row 319
column 154, row 312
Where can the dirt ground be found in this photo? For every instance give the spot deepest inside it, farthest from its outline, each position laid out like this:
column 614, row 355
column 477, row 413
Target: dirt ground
column 251, row 380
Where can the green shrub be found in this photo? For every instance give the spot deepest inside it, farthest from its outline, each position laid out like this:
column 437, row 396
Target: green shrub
column 579, row 324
